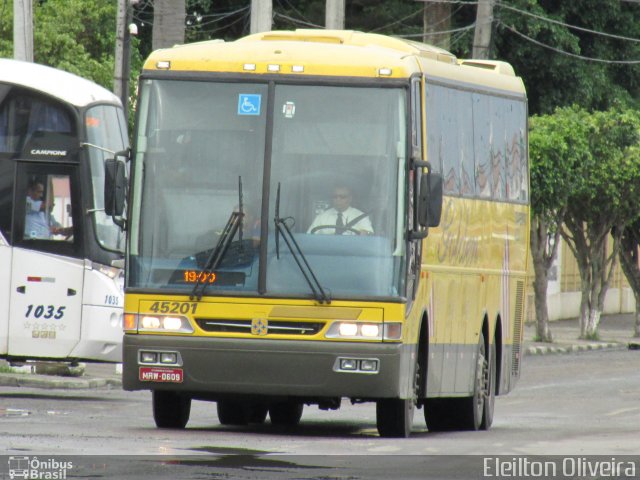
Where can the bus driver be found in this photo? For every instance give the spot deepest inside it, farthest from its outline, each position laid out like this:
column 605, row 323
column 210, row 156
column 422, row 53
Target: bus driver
column 39, row 220
column 341, row 218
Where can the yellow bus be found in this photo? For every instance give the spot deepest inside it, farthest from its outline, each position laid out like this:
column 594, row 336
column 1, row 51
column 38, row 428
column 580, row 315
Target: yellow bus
column 289, row 243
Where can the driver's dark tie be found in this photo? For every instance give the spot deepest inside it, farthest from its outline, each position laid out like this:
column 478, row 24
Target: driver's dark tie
column 339, row 224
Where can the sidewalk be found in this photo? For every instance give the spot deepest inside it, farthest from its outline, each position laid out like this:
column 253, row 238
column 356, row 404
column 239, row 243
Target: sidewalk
column 616, row 332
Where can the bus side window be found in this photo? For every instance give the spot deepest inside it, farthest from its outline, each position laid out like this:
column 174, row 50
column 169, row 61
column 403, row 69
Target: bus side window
column 47, row 210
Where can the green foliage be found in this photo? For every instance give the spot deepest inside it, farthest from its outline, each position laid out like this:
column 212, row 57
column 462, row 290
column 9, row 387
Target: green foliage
column 606, row 190
column 555, row 79
column 74, row 35
column 558, row 145
column 588, row 163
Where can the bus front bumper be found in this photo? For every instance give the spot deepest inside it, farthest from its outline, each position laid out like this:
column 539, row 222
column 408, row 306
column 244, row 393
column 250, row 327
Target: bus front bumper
column 310, row 369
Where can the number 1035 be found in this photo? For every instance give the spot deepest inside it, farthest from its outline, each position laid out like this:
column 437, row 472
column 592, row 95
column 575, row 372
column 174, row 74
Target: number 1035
column 45, row 311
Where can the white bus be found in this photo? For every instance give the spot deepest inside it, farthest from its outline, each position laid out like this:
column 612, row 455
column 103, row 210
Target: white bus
column 61, row 279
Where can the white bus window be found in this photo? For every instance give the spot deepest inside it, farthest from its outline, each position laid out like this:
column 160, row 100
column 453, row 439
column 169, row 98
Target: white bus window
column 48, row 209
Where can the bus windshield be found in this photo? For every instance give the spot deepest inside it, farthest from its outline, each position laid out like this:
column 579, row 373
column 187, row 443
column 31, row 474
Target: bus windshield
column 336, row 154
column 106, row 129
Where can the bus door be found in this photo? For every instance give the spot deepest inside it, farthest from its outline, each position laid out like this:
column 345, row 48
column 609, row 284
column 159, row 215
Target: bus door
column 5, row 277
column 47, row 264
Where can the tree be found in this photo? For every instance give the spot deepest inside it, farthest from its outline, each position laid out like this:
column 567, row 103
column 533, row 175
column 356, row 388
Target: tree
column 558, row 144
column 602, row 203
column 73, row 35
column 630, row 263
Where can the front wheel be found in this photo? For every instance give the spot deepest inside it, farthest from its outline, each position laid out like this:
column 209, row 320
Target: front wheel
column 171, row 409
column 467, row 413
column 394, row 417
column 286, row 414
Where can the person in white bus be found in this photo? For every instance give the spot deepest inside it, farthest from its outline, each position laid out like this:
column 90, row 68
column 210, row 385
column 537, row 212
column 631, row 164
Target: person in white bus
column 39, row 221
column 341, row 218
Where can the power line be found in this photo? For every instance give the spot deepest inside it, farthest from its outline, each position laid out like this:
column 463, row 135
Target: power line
column 563, row 24
column 304, row 19
column 297, row 21
column 397, row 21
column 460, row 2
column 563, row 52
column 454, row 30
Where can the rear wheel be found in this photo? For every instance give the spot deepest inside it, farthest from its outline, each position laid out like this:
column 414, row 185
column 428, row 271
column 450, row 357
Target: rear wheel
column 285, row 414
column 490, row 397
column 170, row 409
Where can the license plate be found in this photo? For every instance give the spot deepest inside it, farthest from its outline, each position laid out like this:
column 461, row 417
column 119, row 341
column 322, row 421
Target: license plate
column 157, row 374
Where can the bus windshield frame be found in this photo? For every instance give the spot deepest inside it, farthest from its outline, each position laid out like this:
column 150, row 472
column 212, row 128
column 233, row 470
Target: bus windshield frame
column 207, row 148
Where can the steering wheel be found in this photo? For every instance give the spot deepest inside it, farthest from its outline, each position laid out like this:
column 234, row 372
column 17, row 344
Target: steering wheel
column 335, row 228
column 345, row 228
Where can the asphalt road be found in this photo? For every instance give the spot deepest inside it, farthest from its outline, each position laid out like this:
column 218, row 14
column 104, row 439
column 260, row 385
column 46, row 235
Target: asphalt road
column 583, row 404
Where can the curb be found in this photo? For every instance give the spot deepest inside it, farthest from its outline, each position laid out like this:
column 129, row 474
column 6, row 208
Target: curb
column 587, row 347
column 53, row 382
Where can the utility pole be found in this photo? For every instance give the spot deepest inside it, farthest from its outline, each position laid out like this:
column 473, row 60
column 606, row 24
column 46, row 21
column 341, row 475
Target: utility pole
column 482, row 35
column 436, row 18
column 261, row 15
column 120, row 80
column 334, row 15
column 122, row 68
column 23, row 30
column 168, row 23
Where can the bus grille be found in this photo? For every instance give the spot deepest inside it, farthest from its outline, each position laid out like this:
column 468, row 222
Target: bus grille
column 274, row 326
column 517, row 329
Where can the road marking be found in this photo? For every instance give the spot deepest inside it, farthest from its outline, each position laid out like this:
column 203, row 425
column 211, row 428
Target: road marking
column 621, row 411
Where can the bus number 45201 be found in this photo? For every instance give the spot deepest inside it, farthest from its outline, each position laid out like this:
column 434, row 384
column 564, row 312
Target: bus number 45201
column 174, row 307
column 45, row 311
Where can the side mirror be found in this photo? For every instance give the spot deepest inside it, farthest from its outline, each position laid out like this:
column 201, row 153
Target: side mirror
column 115, row 180
column 430, row 200
column 435, row 199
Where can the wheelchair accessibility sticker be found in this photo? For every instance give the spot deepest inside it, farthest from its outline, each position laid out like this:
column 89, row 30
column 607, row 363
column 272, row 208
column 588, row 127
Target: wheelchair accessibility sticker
column 249, row 104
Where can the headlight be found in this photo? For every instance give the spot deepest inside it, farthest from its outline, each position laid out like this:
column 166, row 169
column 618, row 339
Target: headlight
column 156, row 323
column 110, row 272
column 365, row 331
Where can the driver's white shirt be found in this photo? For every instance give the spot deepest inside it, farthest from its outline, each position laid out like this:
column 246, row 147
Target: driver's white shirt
column 330, row 217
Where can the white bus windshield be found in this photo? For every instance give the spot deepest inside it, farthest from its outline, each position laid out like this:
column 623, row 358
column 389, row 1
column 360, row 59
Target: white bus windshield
column 337, row 154
column 107, row 129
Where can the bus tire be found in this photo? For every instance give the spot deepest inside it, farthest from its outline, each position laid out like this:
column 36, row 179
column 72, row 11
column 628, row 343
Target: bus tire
column 473, row 408
column 394, row 417
column 490, row 396
column 286, row 414
column 232, row 412
column 466, row 413
column 439, row 414
column 258, row 413
column 170, row 409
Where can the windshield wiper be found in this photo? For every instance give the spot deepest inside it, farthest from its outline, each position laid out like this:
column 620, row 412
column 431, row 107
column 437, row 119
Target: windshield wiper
column 307, row 272
column 234, row 223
